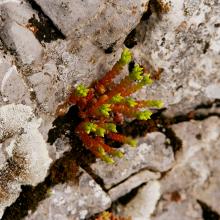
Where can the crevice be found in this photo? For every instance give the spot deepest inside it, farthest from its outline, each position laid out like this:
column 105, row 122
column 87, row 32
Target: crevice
column 80, row 156
column 158, row 122
column 129, row 196
column 132, row 175
column 207, row 212
column 62, row 170
column 44, row 30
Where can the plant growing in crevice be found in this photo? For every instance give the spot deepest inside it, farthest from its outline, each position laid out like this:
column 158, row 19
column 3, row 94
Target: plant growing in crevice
column 105, row 104
column 110, row 216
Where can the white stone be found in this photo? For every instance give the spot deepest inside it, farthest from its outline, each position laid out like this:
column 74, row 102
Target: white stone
column 26, row 149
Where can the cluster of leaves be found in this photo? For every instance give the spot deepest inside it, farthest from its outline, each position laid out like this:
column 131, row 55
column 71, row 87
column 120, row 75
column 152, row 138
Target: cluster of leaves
column 110, row 216
column 105, row 104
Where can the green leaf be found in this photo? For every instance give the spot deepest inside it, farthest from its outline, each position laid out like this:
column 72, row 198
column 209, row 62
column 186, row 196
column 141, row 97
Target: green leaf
column 117, row 98
column 111, row 127
column 136, row 73
column 132, row 142
column 107, row 159
column 81, row 91
column 146, row 80
column 145, row 115
column 126, row 57
column 100, row 132
column 155, row 103
column 118, row 154
column 105, row 109
column 90, row 127
column 131, row 102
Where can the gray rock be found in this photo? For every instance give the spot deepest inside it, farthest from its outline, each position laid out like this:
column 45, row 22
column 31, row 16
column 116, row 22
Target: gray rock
column 131, row 183
column 47, row 88
column 23, row 41
column 185, row 210
column 69, row 15
column 101, row 21
column 144, row 203
column 73, row 201
column 15, row 34
column 26, row 159
column 197, row 167
column 185, row 43
column 12, row 86
column 151, row 154
column 16, row 10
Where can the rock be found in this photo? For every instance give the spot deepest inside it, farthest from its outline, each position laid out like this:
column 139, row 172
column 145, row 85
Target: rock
column 15, row 34
column 47, row 88
column 213, row 91
column 131, row 183
column 24, row 149
column 144, row 203
column 151, row 154
column 185, row 43
column 197, row 166
column 12, row 85
column 68, row 15
column 185, row 210
column 23, row 41
column 73, row 201
column 101, row 21
column 16, row 10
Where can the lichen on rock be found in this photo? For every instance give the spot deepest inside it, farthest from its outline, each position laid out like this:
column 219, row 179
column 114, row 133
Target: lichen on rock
column 24, row 150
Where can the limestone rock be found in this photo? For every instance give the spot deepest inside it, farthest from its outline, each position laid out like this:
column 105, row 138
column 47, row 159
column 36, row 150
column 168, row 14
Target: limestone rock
column 151, row 153
column 185, row 43
column 12, row 86
column 197, row 167
column 14, row 31
column 69, row 201
column 26, row 159
column 22, row 41
column 131, row 183
column 101, row 21
column 143, row 205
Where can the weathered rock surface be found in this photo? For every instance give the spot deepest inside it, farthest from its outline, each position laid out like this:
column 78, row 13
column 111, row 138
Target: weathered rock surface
column 101, row 21
column 195, row 175
column 132, row 183
column 16, row 35
column 185, row 43
column 37, row 73
column 24, row 155
column 144, row 203
column 12, row 86
column 73, row 201
column 151, row 154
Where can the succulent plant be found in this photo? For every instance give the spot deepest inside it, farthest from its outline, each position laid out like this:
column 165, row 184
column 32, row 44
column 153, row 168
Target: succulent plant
column 106, row 104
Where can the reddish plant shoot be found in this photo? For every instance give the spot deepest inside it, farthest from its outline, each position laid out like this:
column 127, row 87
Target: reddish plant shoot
column 106, row 104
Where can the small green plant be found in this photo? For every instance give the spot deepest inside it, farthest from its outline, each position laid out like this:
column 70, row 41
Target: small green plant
column 106, row 104
column 110, row 216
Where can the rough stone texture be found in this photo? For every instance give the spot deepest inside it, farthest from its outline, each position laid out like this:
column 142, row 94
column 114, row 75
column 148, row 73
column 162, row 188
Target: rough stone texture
column 73, row 201
column 184, row 42
column 151, row 153
column 15, row 34
column 13, row 88
column 144, row 203
column 24, row 152
column 195, row 175
column 101, row 21
column 46, row 96
column 133, row 182
column 185, row 210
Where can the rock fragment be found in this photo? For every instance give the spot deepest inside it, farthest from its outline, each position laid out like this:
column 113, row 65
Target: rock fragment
column 73, row 201
column 24, row 149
